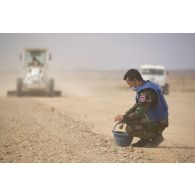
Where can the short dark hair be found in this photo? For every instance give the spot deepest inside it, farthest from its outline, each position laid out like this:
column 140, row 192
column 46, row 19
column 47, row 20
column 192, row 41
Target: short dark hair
column 132, row 74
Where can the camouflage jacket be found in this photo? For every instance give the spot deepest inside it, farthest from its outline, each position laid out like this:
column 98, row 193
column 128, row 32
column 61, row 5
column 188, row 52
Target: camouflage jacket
column 147, row 98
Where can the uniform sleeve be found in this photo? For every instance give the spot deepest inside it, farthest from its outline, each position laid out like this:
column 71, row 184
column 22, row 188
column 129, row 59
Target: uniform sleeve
column 146, row 99
column 132, row 109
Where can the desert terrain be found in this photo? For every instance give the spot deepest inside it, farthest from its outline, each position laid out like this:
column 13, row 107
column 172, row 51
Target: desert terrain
column 77, row 127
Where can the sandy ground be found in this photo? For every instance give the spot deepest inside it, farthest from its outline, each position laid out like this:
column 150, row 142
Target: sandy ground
column 78, row 126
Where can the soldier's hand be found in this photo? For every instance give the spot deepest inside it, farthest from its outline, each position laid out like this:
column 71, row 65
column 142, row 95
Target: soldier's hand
column 119, row 117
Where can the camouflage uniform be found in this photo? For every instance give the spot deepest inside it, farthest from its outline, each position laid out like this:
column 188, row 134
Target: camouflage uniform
column 138, row 125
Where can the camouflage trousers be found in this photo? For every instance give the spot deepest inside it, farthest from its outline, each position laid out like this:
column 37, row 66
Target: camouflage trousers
column 145, row 128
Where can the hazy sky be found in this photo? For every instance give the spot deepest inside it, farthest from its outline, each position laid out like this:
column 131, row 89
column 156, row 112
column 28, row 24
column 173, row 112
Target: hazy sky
column 103, row 51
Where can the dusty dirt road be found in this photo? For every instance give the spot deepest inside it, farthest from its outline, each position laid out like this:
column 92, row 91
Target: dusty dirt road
column 31, row 131
column 78, row 126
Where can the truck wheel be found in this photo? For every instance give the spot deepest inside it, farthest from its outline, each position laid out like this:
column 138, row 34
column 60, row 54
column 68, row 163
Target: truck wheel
column 51, row 88
column 19, row 87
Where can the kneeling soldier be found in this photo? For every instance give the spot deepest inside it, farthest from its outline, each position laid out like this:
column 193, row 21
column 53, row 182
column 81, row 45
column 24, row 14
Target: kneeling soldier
column 149, row 116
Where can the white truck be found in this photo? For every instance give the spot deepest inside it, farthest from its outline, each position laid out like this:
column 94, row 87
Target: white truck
column 156, row 74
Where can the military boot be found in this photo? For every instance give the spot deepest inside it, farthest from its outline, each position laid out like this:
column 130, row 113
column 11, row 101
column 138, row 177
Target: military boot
column 141, row 143
column 155, row 141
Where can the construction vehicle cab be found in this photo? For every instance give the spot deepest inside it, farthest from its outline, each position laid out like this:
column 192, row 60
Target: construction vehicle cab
column 34, row 63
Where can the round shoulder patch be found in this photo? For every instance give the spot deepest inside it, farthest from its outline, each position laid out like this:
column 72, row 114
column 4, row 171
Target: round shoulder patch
column 142, row 98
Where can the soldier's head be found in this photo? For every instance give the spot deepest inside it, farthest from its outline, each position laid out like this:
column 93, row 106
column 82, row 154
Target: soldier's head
column 133, row 78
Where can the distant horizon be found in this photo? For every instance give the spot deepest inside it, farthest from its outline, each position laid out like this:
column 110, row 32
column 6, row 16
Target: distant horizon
column 87, row 69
